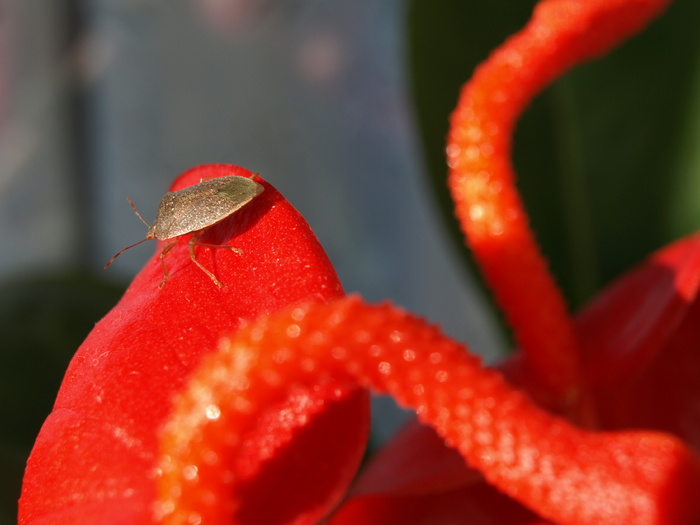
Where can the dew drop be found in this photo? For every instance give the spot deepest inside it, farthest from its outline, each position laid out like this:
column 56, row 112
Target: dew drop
column 293, row 331
column 476, row 212
column 257, row 333
column 474, row 133
column 385, row 368
column 212, row 412
column 190, row 472
column 452, row 150
column 164, row 509
column 472, row 152
column 298, row 314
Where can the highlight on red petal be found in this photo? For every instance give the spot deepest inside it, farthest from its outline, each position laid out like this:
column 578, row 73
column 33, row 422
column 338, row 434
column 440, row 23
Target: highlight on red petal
column 94, row 459
column 562, row 473
column 667, row 395
column 560, row 34
column 624, row 329
column 641, row 339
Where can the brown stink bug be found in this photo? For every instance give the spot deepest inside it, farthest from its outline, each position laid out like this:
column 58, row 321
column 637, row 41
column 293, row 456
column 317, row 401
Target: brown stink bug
column 194, row 209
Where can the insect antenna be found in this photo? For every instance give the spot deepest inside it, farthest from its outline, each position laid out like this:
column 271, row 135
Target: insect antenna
column 122, row 251
column 133, row 207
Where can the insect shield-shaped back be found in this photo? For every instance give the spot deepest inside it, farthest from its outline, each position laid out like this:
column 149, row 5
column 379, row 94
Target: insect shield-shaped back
column 194, row 209
column 202, row 205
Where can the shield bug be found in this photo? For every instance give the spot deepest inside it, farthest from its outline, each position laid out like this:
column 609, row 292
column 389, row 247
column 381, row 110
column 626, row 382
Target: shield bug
column 193, row 210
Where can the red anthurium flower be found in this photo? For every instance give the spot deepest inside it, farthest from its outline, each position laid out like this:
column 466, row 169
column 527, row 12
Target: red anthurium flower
column 94, row 460
column 177, row 409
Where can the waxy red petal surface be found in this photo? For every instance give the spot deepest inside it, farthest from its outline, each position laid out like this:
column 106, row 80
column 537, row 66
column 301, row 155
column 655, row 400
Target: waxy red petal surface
column 94, row 460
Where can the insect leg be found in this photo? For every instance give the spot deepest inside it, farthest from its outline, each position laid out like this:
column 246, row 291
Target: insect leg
column 192, row 243
column 237, row 250
column 162, row 262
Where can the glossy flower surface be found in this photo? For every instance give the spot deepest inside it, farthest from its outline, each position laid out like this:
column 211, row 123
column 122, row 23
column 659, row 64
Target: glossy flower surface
column 94, row 460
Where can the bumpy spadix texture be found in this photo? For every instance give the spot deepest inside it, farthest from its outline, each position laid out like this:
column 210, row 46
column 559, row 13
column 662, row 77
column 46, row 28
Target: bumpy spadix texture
column 560, row 34
column 568, row 475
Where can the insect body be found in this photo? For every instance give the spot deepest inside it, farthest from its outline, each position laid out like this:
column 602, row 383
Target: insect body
column 192, row 210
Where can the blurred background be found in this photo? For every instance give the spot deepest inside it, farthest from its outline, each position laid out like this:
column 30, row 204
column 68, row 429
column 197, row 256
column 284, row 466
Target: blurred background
column 343, row 107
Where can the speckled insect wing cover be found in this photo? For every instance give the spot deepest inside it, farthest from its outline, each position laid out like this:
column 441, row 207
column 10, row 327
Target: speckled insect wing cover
column 241, row 190
column 202, row 205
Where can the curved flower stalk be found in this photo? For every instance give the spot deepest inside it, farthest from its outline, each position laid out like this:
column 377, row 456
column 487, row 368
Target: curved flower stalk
column 567, row 474
column 653, row 309
column 559, row 35
column 94, row 460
